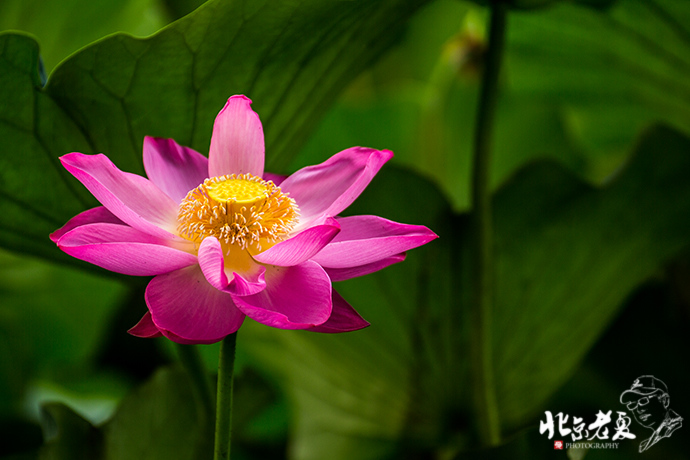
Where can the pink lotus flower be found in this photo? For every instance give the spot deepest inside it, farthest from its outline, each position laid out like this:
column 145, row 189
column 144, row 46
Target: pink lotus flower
column 225, row 240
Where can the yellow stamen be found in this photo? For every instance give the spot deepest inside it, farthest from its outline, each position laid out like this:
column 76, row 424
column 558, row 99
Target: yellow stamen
column 242, row 211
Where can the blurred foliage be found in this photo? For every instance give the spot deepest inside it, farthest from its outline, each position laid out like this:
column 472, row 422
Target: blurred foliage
column 592, row 216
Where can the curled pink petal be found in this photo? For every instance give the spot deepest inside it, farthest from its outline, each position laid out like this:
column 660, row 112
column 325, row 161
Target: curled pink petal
column 213, row 267
column 342, row 274
column 367, row 239
column 300, row 247
column 187, row 309
column 296, row 297
column 173, row 168
column 90, row 216
column 328, row 188
column 343, row 318
column 237, row 143
column 247, row 284
column 145, row 328
column 123, row 249
column 211, row 262
column 133, row 199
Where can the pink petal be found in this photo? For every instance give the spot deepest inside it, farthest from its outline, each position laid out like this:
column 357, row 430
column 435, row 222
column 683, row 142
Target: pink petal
column 237, row 143
column 296, row 297
column 300, row 247
column 213, row 266
column 123, row 249
column 133, row 199
column 275, row 178
column 90, row 216
column 145, row 328
column 186, row 309
column 342, row 274
column 344, row 318
column 367, row 239
column 328, row 188
column 174, row 169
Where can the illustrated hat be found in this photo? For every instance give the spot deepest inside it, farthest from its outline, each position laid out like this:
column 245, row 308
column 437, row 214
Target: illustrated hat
column 644, row 386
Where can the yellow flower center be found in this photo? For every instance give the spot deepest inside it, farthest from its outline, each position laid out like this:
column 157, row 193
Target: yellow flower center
column 242, row 211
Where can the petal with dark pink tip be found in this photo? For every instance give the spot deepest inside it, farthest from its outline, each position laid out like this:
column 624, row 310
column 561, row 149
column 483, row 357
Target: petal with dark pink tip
column 327, row 189
column 123, row 249
column 133, row 199
column 343, row 318
column 145, row 328
column 237, row 143
column 90, row 216
column 366, row 239
column 300, row 247
column 173, row 168
column 296, row 297
column 187, row 309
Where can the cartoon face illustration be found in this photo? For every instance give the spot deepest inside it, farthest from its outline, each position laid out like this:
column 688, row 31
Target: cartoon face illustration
column 649, row 410
column 648, row 400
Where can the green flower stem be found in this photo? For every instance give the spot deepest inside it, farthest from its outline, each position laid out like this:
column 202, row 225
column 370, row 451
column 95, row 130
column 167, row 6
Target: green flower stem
column 201, row 383
column 486, row 408
column 226, row 364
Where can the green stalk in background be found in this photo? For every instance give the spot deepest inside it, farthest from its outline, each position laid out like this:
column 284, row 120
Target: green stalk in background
column 488, row 423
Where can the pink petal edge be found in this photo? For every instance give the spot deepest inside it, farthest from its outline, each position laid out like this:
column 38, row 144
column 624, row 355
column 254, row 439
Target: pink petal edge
column 91, row 216
column 300, row 247
column 330, row 187
column 123, row 249
column 342, row 274
column 173, row 168
column 145, row 328
column 366, row 239
column 343, row 318
column 133, row 199
column 296, row 297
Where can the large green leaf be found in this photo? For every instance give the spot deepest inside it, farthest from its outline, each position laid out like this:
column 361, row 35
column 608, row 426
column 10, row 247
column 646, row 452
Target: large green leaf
column 609, row 73
column 292, row 58
column 63, row 27
column 567, row 256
